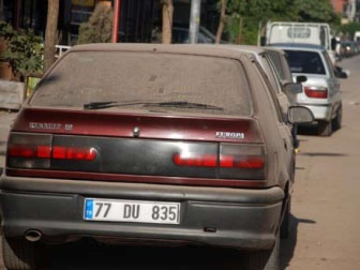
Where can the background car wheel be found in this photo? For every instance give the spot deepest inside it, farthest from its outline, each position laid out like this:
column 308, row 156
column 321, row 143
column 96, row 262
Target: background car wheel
column 263, row 260
column 325, row 128
column 285, row 226
column 338, row 120
column 19, row 254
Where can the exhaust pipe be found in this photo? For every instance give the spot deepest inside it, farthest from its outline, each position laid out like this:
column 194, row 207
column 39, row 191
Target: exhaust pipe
column 33, row 235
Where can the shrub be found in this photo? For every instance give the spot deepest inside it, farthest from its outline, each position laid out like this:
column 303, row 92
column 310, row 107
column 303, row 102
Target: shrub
column 98, row 28
column 23, row 50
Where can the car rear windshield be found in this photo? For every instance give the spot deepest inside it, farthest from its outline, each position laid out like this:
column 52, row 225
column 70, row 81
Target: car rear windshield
column 305, row 62
column 126, row 77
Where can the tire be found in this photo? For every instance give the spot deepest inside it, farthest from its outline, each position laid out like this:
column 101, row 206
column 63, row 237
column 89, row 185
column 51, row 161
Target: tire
column 285, row 225
column 325, row 128
column 337, row 122
column 19, row 254
column 263, row 260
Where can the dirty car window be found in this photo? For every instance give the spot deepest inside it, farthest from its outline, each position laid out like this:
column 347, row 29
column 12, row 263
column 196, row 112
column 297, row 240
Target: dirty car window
column 83, row 77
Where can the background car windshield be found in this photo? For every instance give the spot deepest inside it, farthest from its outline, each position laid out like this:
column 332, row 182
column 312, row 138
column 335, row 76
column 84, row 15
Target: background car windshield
column 305, row 62
column 83, row 77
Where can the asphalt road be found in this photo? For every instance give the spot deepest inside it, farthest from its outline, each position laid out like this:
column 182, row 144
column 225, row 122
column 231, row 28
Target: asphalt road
column 325, row 222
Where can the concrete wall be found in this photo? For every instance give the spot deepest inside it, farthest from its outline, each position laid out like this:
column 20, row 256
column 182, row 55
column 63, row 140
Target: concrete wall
column 11, row 95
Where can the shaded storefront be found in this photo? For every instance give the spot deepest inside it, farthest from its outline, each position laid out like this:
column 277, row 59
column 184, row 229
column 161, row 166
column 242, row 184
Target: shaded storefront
column 140, row 20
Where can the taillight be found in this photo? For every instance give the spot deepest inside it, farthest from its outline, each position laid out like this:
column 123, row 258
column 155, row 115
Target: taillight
column 36, row 151
column 242, row 161
column 316, row 92
column 193, row 160
column 234, row 161
column 72, row 153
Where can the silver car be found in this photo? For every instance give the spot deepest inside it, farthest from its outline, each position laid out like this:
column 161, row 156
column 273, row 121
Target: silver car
column 312, row 66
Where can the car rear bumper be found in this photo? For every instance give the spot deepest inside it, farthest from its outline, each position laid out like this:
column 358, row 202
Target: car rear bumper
column 321, row 112
column 238, row 218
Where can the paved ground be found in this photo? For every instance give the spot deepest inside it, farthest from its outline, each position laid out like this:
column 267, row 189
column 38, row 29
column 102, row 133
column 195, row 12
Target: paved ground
column 326, row 217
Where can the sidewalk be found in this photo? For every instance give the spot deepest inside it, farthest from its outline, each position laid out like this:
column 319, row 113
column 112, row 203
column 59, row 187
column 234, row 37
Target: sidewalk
column 6, row 120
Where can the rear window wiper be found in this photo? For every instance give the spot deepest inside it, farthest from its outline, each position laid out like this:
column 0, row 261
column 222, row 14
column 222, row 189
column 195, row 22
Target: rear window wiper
column 176, row 104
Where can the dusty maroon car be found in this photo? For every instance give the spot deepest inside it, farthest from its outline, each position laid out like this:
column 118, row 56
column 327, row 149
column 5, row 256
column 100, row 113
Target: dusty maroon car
column 167, row 143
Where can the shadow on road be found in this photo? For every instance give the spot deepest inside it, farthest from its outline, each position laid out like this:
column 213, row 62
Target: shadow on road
column 323, row 154
column 311, row 131
column 288, row 245
column 91, row 257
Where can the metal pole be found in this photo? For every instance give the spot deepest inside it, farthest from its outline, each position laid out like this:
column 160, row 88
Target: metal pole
column 195, row 20
column 116, row 19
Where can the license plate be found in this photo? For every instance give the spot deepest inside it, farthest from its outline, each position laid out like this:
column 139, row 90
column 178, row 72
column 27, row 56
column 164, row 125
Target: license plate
column 131, row 211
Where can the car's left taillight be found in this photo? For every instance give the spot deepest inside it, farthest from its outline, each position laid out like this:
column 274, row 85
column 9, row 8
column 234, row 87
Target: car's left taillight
column 36, row 151
column 29, row 151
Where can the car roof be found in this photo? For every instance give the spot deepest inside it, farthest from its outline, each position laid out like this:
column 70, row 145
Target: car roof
column 298, row 46
column 189, row 49
column 274, row 49
column 245, row 49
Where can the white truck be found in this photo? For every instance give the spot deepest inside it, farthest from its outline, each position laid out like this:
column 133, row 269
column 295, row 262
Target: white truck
column 357, row 37
column 301, row 33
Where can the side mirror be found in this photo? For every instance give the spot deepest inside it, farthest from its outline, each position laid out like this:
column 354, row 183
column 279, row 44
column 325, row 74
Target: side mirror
column 301, row 79
column 293, row 88
column 340, row 73
column 300, row 115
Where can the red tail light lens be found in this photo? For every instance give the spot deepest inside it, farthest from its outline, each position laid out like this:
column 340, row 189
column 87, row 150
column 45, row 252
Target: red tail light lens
column 71, row 153
column 316, row 92
column 242, row 161
column 35, row 151
column 234, row 161
column 195, row 160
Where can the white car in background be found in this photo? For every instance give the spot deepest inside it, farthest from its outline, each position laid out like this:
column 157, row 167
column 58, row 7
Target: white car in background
column 321, row 93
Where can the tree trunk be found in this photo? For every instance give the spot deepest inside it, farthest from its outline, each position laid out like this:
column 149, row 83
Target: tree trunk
column 240, row 37
column 51, row 33
column 2, row 17
column 221, row 22
column 167, row 12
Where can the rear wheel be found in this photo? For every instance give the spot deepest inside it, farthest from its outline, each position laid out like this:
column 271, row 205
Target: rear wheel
column 263, row 260
column 338, row 119
column 325, row 128
column 19, row 254
column 285, row 226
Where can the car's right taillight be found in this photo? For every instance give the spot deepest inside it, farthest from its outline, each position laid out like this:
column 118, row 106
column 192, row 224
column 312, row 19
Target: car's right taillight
column 237, row 161
column 316, row 92
column 234, row 161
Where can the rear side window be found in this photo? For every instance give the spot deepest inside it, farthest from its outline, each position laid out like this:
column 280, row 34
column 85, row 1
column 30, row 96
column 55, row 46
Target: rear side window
column 276, row 60
column 305, row 62
column 125, row 77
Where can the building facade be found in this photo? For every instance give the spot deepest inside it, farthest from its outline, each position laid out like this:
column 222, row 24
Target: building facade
column 140, row 20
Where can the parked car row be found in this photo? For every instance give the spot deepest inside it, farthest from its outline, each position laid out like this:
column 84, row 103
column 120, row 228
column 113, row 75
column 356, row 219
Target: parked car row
column 311, row 65
column 179, row 143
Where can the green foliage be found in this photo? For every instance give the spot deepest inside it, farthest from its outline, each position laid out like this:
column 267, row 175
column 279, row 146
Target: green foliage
column 350, row 29
column 24, row 50
column 98, row 28
column 315, row 11
column 254, row 12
